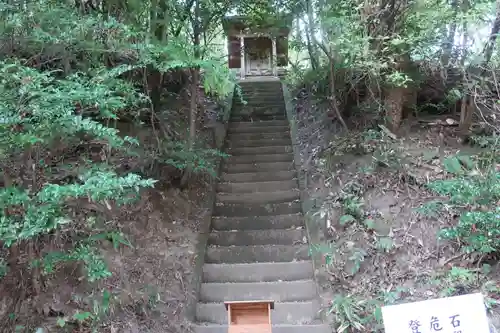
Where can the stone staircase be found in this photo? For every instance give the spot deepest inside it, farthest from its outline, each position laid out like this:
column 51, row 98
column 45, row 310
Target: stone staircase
column 257, row 248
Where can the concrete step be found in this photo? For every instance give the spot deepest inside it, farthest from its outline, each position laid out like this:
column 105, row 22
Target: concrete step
column 283, row 313
column 258, row 237
column 289, row 291
column 285, row 328
column 256, row 253
column 260, row 86
column 285, row 221
column 261, row 129
column 261, row 198
column 258, row 176
column 272, row 94
column 258, row 105
column 258, row 110
column 258, row 167
column 270, row 110
column 258, row 272
column 248, row 85
column 260, row 158
column 286, row 141
column 244, row 209
column 239, row 136
column 245, row 124
column 264, row 91
column 264, row 96
column 263, row 99
column 257, row 117
column 260, row 83
column 271, row 186
column 260, row 150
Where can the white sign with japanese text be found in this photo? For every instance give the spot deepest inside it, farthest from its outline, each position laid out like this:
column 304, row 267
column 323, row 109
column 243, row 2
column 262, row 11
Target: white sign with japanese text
column 459, row 314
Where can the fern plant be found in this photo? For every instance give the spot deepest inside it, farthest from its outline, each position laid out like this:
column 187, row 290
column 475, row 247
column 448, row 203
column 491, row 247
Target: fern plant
column 350, row 313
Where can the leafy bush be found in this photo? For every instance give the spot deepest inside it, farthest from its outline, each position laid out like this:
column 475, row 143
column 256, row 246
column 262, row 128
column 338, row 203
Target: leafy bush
column 201, row 159
column 66, row 96
column 39, row 111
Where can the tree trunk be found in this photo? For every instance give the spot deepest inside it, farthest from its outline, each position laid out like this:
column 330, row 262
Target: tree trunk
column 410, row 101
column 490, row 45
column 394, row 102
column 467, row 108
column 397, row 97
column 466, row 112
column 153, row 81
column 159, row 20
column 333, row 97
column 193, row 106
column 310, row 31
column 450, row 39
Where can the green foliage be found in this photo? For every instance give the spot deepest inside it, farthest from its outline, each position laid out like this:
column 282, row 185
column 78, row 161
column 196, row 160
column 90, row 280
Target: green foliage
column 356, row 258
column 42, row 212
column 354, row 314
column 475, row 196
column 326, row 250
column 478, row 231
column 431, row 208
column 42, row 108
column 385, row 244
column 202, row 160
column 458, row 164
column 480, row 189
column 485, row 141
column 346, row 219
column 100, row 308
column 392, row 296
column 349, row 312
column 353, row 206
column 398, row 79
column 385, row 155
column 116, row 238
column 93, row 263
column 70, row 95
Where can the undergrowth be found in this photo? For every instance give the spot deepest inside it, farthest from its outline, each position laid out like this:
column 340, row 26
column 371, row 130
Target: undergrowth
column 472, row 189
column 474, row 194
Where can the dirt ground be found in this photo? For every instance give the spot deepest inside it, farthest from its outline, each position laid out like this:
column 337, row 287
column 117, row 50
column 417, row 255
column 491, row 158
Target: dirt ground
column 394, row 255
column 150, row 280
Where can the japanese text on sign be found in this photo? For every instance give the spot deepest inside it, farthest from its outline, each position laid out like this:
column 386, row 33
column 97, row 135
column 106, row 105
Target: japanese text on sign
column 460, row 314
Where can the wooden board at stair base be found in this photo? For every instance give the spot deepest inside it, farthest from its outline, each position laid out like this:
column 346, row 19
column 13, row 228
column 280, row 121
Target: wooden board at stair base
column 249, row 316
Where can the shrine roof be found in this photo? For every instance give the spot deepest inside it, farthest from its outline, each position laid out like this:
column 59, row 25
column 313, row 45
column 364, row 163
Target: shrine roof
column 234, row 25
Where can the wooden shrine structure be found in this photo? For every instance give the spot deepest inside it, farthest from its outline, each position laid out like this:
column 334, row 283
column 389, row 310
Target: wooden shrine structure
column 257, row 49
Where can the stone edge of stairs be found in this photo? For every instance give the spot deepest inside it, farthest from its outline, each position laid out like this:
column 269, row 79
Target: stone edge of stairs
column 314, row 228
column 205, row 225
